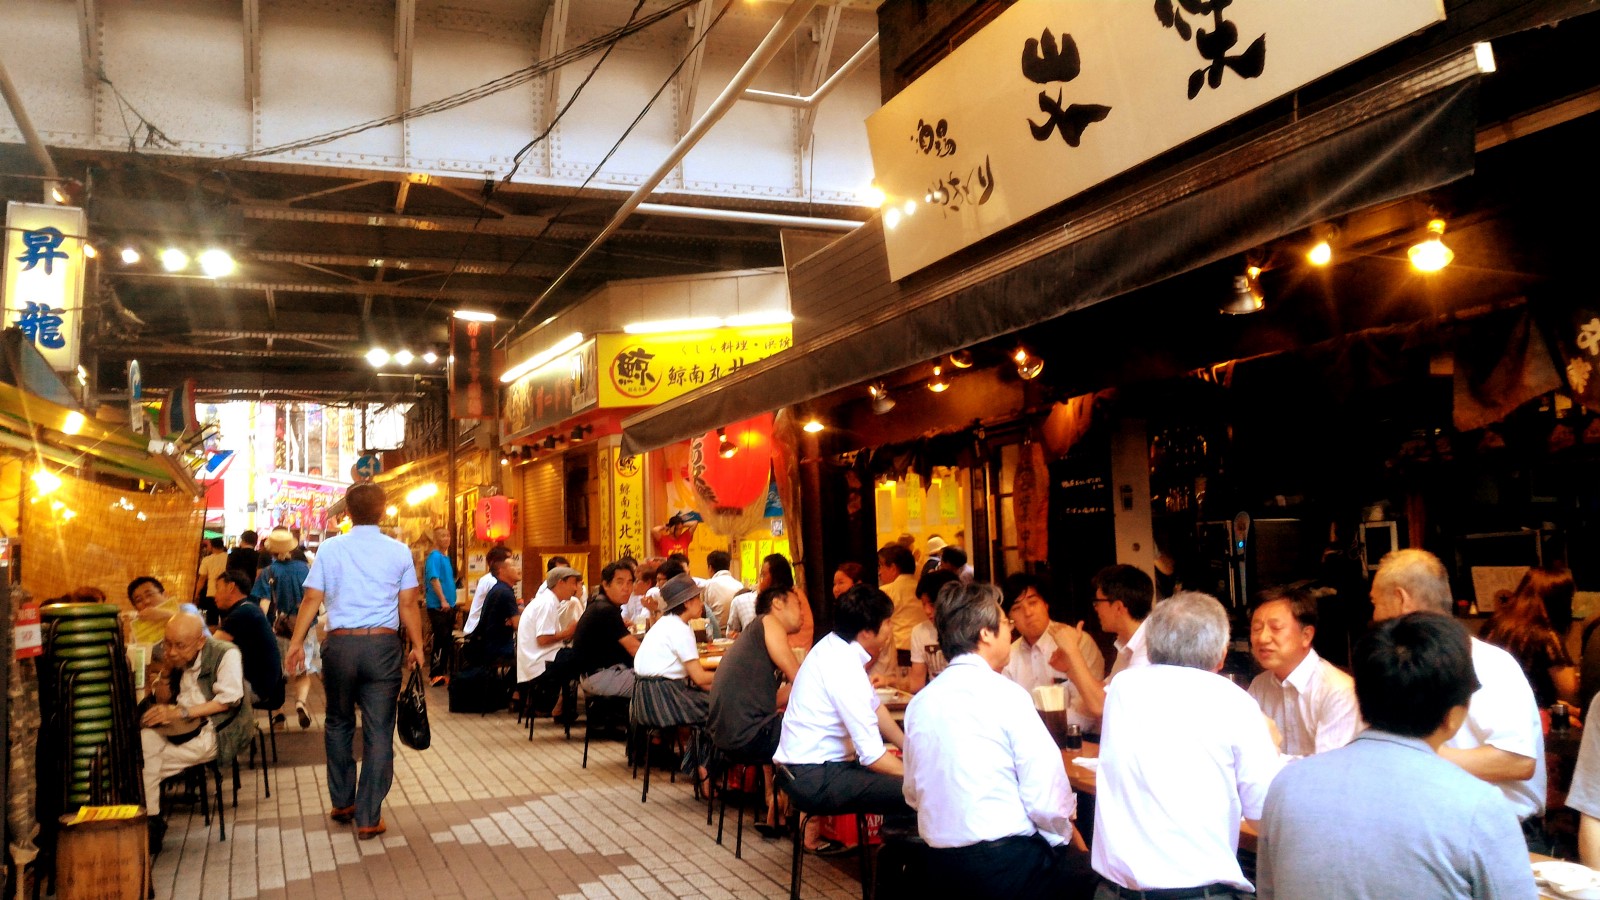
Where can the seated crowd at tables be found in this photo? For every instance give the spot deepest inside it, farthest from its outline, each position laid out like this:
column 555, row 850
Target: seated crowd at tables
column 1419, row 773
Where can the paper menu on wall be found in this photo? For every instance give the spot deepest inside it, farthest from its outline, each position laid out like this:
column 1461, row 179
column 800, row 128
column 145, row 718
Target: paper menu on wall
column 1487, row 581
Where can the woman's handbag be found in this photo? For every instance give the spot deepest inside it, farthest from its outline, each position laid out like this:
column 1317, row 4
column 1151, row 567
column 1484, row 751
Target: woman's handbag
column 412, row 720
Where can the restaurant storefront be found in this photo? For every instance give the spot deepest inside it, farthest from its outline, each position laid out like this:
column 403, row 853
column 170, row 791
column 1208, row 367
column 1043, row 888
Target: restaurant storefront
column 1369, row 149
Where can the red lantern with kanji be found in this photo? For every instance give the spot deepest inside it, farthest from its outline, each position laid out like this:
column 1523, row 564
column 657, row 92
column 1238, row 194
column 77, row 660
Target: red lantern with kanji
column 497, row 518
column 731, row 465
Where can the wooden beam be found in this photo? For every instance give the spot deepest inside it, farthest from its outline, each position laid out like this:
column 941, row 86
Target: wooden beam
column 1536, row 120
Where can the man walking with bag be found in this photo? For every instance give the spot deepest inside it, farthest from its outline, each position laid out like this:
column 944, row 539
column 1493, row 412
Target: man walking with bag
column 370, row 587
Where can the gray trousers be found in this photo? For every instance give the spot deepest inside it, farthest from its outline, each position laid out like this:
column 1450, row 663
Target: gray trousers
column 361, row 670
column 616, row 681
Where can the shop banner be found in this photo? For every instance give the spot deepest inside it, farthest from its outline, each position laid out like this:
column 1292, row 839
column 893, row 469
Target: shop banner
column 646, row 369
column 1056, row 96
column 44, row 265
column 550, row 394
column 473, row 374
column 626, row 534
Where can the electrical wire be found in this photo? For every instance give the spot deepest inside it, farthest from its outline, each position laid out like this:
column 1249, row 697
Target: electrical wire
column 550, row 222
column 487, row 89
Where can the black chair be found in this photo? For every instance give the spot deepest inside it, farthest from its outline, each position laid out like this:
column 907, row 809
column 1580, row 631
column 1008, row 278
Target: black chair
column 724, row 765
column 257, row 741
column 601, row 710
column 797, row 817
column 195, row 780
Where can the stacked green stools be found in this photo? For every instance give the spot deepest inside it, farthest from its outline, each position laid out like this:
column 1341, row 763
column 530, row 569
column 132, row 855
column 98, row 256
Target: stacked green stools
column 91, row 729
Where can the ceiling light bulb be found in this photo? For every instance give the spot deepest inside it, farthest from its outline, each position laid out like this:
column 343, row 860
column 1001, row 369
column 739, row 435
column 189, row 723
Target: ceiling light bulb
column 873, row 195
column 74, row 422
column 130, row 256
column 377, row 356
column 881, row 401
column 1431, row 254
column 391, row 510
column 403, row 357
column 45, row 482
column 961, row 359
column 812, row 426
column 216, row 263
column 504, row 461
column 1246, row 297
column 937, row 383
column 1028, row 365
column 57, row 194
column 89, row 251
column 430, row 357
column 473, row 316
column 1320, row 254
column 174, row 260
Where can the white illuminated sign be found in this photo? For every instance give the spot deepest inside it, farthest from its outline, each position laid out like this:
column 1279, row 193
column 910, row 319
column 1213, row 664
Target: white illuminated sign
column 44, row 264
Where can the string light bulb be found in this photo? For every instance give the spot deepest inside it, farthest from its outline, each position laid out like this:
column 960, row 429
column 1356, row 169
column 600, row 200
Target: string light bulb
column 812, row 426
column 1430, row 254
column 937, row 383
column 1028, row 365
column 881, row 401
column 961, row 359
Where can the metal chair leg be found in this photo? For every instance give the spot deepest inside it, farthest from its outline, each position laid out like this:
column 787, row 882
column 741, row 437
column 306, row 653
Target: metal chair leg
column 799, row 856
column 866, row 856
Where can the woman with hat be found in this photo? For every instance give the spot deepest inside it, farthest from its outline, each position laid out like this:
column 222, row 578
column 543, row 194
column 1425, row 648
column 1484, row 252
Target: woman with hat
column 282, row 583
column 669, row 684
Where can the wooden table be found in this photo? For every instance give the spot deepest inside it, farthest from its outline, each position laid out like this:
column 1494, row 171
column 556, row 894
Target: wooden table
column 1084, row 781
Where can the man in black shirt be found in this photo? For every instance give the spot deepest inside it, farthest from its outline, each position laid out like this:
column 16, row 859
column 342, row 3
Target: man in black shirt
column 602, row 646
column 243, row 558
column 245, row 626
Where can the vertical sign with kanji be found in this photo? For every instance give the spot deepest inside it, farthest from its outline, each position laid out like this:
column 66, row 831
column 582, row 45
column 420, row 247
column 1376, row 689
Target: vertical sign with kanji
column 473, row 378
column 627, row 506
column 44, row 263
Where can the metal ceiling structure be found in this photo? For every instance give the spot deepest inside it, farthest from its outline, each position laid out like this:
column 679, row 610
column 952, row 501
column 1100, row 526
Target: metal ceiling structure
column 373, row 238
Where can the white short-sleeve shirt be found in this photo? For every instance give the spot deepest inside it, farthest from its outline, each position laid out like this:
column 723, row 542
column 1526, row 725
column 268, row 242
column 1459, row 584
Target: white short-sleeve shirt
column 1504, row 714
column 665, row 649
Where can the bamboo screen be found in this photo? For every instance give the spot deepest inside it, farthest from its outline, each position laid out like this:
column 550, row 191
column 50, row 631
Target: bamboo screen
column 83, row 533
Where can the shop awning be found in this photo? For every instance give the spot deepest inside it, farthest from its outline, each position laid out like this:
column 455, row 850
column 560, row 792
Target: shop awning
column 1399, row 139
column 66, row 437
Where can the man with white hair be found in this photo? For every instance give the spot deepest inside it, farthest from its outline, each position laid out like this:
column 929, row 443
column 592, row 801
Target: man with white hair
column 1185, row 754
column 1502, row 741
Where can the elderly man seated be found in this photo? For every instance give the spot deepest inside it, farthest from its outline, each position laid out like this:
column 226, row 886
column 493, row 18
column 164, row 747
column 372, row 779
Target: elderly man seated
column 991, row 793
column 1184, row 755
column 1311, row 702
column 200, row 711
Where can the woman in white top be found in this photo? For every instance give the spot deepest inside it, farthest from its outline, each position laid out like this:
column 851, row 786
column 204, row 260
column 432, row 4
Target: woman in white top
column 670, row 687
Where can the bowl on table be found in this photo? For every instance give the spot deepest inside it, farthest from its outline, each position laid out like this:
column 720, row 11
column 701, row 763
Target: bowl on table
column 1568, row 879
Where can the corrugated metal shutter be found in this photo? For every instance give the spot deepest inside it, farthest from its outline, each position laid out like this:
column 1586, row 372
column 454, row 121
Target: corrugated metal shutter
column 542, row 506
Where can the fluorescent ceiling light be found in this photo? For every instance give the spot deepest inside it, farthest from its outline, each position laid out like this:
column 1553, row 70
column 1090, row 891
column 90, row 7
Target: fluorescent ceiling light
column 533, row 362
column 696, row 324
column 474, row 316
column 772, row 317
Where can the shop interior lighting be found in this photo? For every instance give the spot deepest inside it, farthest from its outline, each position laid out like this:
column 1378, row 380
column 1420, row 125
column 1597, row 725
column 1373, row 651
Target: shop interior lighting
column 377, row 356
column 419, row 494
column 881, row 401
column 698, row 323
column 403, row 357
column 392, row 511
column 568, row 343
column 1323, row 236
column 812, row 426
column 1028, row 365
column 174, row 260
column 892, row 217
column 725, row 447
column 938, row 384
column 45, row 482
column 89, row 251
column 909, row 207
column 216, row 263
column 130, row 256
column 578, row 431
column 1483, row 54
column 1430, row 254
column 468, row 315
column 74, row 423
column 1247, row 296
column 57, row 194
column 504, row 461
column 550, row 442
column 961, row 359
column 874, row 195
column 430, row 357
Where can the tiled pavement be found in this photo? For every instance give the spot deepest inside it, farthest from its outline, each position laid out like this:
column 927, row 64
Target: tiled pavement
column 482, row 813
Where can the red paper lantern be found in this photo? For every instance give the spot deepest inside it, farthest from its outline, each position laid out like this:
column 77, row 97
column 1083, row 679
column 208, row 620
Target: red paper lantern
column 497, row 518
column 738, row 479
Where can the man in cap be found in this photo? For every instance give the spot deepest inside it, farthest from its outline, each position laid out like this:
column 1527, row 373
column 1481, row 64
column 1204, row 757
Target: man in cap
column 540, row 634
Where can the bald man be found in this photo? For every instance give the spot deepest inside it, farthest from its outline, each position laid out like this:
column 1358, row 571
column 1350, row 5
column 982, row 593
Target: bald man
column 200, row 711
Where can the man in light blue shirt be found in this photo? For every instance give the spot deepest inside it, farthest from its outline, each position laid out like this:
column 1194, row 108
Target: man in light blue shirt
column 369, row 585
column 439, row 587
column 1386, row 815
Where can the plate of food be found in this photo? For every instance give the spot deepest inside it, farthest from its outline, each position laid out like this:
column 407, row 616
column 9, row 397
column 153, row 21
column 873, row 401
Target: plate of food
column 1568, row 879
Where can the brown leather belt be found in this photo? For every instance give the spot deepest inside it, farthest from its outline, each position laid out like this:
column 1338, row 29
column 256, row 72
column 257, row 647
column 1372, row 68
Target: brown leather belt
column 361, row 631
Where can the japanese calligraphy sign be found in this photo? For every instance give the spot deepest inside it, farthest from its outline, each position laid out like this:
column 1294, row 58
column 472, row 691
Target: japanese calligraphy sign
column 1056, row 96
column 44, row 265
column 550, row 394
column 627, row 533
column 646, row 369
column 473, row 374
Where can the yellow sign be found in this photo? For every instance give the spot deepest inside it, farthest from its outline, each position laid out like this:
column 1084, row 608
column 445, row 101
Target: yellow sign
column 627, row 534
column 44, row 278
column 646, row 369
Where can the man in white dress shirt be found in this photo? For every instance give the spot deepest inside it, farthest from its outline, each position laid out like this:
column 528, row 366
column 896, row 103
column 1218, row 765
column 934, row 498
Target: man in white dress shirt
column 1036, row 645
column 480, row 591
column 1185, row 754
column 721, row 587
column 1123, row 596
column 992, row 798
column 1311, row 701
column 1503, row 740
column 832, row 746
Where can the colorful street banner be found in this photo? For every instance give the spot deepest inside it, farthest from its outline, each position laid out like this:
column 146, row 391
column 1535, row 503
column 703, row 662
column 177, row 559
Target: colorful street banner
column 1055, row 96
column 646, row 369
column 44, row 263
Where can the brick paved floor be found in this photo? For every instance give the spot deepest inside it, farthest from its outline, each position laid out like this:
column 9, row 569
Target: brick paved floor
column 482, row 813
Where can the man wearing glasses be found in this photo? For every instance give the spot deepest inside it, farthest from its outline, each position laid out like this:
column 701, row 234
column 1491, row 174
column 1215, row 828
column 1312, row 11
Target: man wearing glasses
column 1123, row 597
